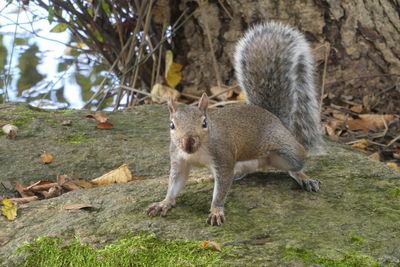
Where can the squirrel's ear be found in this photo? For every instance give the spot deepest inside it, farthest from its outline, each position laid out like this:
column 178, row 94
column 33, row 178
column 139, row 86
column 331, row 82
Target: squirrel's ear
column 203, row 103
column 171, row 105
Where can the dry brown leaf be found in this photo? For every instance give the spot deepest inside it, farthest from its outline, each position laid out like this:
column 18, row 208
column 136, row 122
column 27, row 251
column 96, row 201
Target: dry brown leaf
column 357, row 108
column 396, row 155
column 22, row 190
column 375, row 156
column 54, row 191
column 369, row 122
column 10, row 130
column 24, row 200
column 41, row 182
column 99, row 117
column 119, row 175
column 78, row 206
column 332, row 126
column 42, row 187
column 361, row 144
column 46, row 158
column 83, row 183
column 104, row 125
column 393, row 165
column 213, row 244
column 70, row 186
column 161, row 93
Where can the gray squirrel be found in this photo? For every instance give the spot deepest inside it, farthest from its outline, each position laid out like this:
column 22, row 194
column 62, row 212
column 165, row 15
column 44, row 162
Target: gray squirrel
column 281, row 121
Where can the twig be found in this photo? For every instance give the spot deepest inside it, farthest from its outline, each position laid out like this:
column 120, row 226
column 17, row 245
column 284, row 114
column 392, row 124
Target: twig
column 327, row 52
column 393, row 140
column 142, row 92
column 225, row 9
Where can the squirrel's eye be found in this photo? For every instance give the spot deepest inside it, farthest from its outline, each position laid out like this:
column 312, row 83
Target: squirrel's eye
column 171, row 125
column 204, row 124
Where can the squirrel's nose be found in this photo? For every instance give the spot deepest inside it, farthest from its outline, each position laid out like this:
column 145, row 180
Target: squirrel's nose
column 190, row 143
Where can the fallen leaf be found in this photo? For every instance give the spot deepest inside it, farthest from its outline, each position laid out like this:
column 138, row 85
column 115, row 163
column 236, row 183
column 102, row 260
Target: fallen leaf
column 215, row 245
column 204, row 243
column 375, row 156
column 99, row 117
column 10, row 130
column 241, row 97
column 393, row 165
column 104, row 125
column 173, row 74
column 361, row 144
column 396, row 155
column 46, row 158
column 119, row 175
column 41, row 187
column 70, row 186
column 83, row 183
column 41, row 182
column 9, row 209
column 23, row 200
column 357, row 108
column 78, row 206
column 161, row 93
column 369, row 122
column 54, row 191
column 23, row 191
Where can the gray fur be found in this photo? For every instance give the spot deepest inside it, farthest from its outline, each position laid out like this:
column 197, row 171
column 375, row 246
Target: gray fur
column 275, row 70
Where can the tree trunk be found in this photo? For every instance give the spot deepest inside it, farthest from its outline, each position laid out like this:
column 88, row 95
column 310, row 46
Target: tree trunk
column 364, row 36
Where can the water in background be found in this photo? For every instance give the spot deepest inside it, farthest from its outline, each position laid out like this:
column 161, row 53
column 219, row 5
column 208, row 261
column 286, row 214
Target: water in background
column 45, row 69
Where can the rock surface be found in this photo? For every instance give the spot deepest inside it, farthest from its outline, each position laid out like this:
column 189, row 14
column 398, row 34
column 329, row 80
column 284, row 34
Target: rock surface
column 265, row 212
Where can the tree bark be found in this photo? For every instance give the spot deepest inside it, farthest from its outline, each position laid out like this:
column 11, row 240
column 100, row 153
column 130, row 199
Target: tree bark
column 364, row 36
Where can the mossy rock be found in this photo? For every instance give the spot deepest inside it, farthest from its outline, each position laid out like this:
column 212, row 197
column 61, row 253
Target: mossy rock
column 270, row 221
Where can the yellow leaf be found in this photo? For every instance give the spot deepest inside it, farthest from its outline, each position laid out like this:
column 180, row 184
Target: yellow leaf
column 9, row 209
column 46, row 158
column 361, row 144
column 173, row 74
column 393, row 165
column 241, row 97
column 119, row 175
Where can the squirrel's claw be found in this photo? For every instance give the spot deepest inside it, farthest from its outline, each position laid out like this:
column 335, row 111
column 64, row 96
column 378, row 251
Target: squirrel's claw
column 311, row 185
column 216, row 217
column 156, row 208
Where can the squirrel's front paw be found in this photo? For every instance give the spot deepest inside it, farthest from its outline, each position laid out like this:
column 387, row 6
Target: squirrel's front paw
column 216, row 216
column 156, row 208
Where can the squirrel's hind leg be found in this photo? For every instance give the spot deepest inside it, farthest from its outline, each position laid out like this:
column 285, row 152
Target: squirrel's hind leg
column 294, row 166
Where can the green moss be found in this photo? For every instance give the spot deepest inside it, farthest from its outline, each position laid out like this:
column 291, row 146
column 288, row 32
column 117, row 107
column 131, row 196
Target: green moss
column 349, row 258
column 138, row 250
column 21, row 121
column 75, row 139
column 394, row 192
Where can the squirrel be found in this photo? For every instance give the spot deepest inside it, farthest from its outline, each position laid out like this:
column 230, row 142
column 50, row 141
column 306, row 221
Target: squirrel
column 278, row 125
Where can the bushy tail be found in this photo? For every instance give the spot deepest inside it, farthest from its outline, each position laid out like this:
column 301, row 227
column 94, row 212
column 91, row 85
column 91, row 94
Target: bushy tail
column 275, row 70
